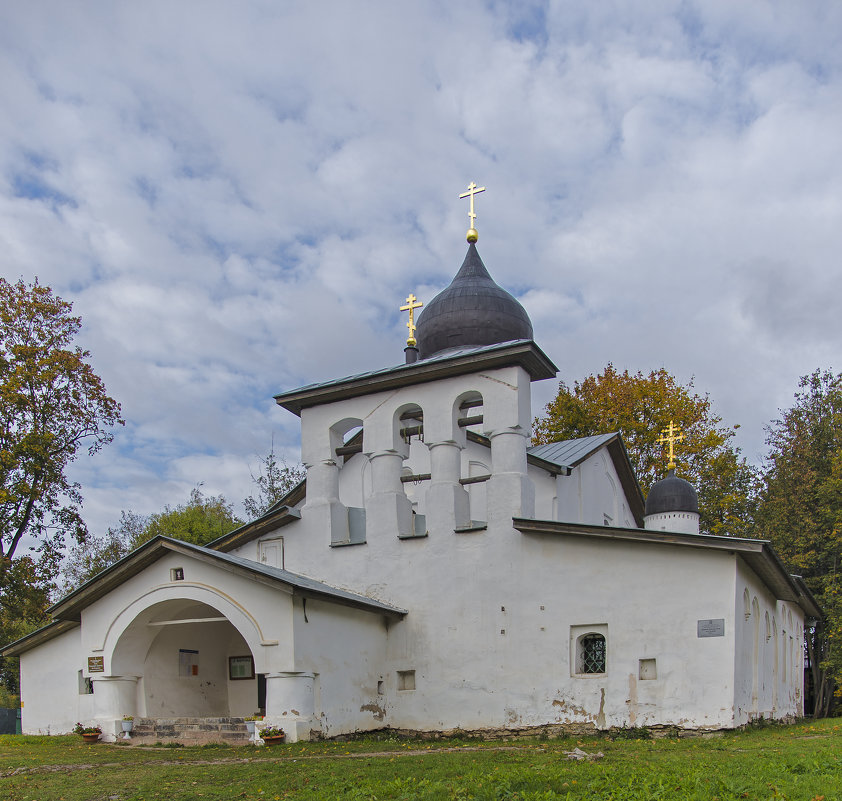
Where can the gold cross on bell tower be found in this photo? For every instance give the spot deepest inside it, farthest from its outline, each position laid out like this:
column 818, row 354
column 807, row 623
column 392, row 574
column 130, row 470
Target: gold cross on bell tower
column 473, row 189
column 411, row 306
column 671, row 435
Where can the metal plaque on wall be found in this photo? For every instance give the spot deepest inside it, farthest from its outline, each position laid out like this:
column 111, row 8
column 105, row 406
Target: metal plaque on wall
column 711, row 628
column 96, row 664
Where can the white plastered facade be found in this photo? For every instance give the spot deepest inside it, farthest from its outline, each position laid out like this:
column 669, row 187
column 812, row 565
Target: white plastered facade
column 496, row 616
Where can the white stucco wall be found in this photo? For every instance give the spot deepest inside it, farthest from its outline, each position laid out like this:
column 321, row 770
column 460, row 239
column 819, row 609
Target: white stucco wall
column 346, row 651
column 489, row 641
column 49, row 687
column 469, row 674
column 261, row 614
column 141, row 659
column 591, row 494
column 488, row 635
column 769, row 663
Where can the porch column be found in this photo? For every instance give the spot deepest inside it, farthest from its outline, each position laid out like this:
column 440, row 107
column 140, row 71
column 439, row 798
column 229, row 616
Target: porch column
column 291, row 704
column 114, row 696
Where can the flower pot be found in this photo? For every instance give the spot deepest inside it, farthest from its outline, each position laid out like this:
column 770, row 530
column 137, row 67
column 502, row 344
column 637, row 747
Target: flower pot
column 250, row 728
column 127, row 727
column 273, row 740
column 91, row 738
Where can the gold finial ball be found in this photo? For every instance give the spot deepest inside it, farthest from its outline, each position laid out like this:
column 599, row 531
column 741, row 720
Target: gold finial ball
column 472, row 236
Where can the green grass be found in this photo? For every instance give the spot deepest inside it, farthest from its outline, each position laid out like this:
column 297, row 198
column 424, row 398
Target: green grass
column 802, row 763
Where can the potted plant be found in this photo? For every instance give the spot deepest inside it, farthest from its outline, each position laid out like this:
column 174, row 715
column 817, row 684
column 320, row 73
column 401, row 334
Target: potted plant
column 128, row 724
column 251, row 721
column 90, row 734
column 272, row 735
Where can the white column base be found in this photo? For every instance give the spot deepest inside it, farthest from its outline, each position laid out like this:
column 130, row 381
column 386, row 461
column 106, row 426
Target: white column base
column 290, row 704
column 114, row 696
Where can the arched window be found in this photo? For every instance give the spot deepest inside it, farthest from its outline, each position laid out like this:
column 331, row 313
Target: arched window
column 591, row 653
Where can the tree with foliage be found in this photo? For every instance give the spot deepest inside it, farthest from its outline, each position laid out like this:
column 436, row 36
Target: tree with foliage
column 24, row 598
column 84, row 561
column 640, row 407
column 274, row 480
column 51, row 404
column 800, row 511
column 200, row 520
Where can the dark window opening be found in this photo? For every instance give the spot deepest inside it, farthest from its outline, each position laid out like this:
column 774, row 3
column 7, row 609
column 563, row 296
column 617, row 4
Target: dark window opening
column 592, row 653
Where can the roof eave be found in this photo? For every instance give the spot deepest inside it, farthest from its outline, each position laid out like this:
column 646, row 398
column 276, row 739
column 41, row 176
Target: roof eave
column 625, row 472
column 70, row 607
column 37, row 637
column 757, row 554
column 524, row 353
column 275, row 518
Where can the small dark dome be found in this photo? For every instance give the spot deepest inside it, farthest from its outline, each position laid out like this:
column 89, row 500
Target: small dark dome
column 671, row 494
column 472, row 311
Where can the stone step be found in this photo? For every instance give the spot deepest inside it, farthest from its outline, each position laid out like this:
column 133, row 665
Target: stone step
column 190, row 731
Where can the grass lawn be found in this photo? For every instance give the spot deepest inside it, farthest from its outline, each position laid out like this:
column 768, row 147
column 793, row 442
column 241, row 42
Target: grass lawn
column 802, row 763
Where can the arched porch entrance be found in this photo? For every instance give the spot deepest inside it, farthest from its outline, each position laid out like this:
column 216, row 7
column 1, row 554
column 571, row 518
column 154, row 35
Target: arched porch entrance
column 191, row 662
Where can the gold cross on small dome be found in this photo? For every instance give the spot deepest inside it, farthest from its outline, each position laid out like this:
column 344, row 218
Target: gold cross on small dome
column 671, row 435
column 411, row 306
column 473, row 189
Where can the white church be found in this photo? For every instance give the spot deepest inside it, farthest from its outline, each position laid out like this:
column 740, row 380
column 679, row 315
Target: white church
column 435, row 573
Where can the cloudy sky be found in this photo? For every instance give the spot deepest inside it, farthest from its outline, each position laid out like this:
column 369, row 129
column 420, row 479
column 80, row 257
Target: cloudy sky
column 237, row 196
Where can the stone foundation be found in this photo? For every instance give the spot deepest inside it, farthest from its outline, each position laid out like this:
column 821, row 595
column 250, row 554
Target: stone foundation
column 189, row 731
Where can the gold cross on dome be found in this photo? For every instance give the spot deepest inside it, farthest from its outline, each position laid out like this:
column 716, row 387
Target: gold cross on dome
column 411, row 306
column 473, row 189
column 671, row 435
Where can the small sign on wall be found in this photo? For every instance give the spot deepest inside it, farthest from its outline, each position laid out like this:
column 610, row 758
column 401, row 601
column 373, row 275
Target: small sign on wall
column 96, row 664
column 188, row 662
column 711, row 628
column 240, row 667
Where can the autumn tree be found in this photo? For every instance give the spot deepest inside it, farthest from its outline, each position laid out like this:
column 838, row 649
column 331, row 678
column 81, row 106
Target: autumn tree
column 28, row 582
column 274, row 479
column 800, row 511
column 52, row 404
column 640, row 407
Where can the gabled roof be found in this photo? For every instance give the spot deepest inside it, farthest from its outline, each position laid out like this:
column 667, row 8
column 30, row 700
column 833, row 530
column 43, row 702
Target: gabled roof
column 571, row 452
column 561, row 457
column 68, row 611
column 35, row 638
column 70, row 607
column 279, row 515
column 522, row 352
column 758, row 554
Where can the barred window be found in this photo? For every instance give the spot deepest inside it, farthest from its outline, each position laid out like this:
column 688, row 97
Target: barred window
column 591, row 653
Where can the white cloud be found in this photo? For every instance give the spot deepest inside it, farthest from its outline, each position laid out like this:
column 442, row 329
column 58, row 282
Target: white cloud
column 237, row 198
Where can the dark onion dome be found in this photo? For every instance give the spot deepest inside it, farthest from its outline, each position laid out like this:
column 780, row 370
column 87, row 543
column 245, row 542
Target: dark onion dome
column 671, row 494
column 472, row 311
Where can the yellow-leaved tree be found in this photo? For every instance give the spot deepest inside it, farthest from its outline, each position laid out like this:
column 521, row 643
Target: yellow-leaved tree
column 640, row 407
column 52, row 403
